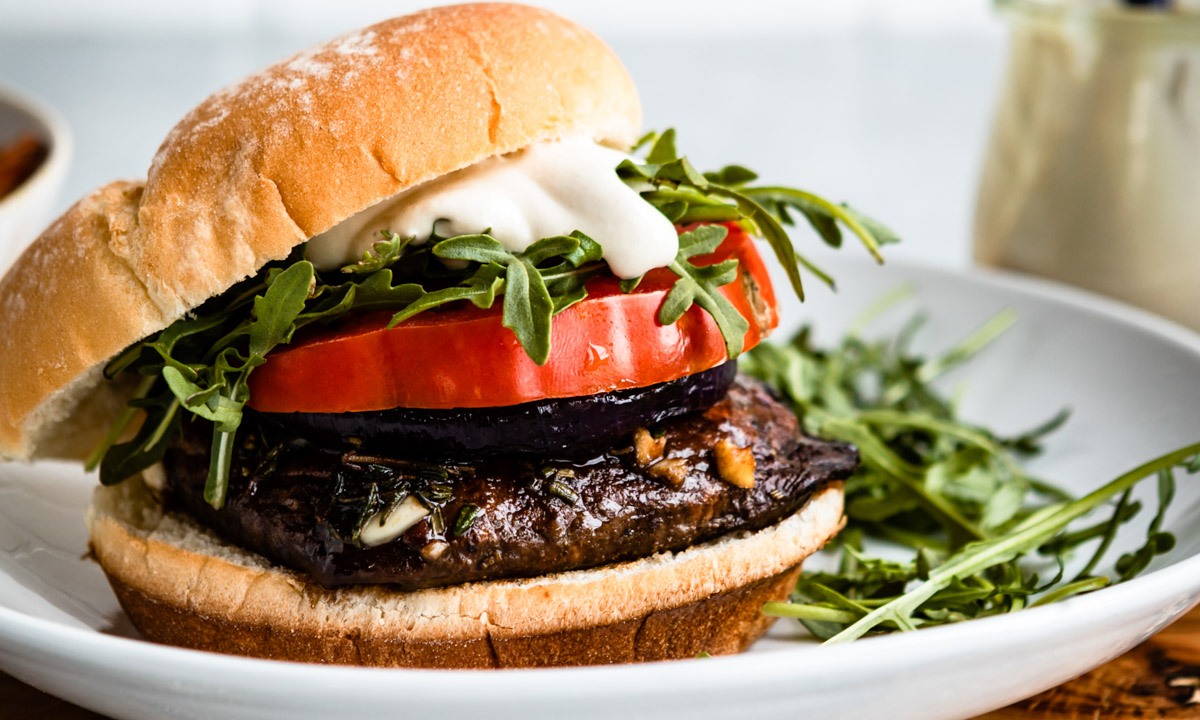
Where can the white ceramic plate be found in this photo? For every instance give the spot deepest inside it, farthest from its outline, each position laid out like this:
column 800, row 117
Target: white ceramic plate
column 1132, row 380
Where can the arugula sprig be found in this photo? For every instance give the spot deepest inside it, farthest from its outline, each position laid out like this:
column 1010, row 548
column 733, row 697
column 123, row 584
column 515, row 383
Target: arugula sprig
column 980, row 527
column 670, row 182
column 201, row 364
column 701, row 285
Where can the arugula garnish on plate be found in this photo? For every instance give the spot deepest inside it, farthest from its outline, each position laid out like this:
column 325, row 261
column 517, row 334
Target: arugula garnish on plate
column 954, row 495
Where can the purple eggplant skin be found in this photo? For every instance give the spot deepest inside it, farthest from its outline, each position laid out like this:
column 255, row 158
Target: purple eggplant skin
column 553, row 428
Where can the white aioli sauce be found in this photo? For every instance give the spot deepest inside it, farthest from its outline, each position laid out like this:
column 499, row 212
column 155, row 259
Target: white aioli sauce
column 544, row 190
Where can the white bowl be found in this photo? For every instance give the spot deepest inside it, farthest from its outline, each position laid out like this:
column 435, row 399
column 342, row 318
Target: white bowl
column 27, row 210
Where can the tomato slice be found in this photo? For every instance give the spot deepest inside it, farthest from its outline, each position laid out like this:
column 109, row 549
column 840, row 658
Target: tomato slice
column 462, row 357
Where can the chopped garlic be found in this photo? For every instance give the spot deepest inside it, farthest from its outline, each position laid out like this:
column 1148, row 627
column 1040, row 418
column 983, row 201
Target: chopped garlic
column 734, row 464
column 378, row 530
column 673, row 471
column 434, row 549
column 648, row 447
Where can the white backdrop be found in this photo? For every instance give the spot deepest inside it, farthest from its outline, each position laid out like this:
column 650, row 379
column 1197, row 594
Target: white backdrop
column 882, row 103
column 614, row 18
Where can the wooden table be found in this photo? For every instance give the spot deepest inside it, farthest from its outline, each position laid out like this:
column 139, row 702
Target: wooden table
column 1160, row 679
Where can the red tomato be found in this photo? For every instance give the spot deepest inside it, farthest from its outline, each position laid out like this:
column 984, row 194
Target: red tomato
column 461, row 356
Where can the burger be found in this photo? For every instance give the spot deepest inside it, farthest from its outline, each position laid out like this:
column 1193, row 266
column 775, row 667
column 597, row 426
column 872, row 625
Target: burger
column 407, row 352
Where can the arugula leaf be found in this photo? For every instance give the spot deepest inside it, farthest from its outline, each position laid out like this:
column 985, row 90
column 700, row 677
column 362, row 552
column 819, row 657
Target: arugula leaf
column 880, row 233
column 701, row 285
column 685, row 196
column 813, row 205
column 553, row 247
column 220, row 459
column 628, row 285
column 532, row 294
column 181, row 332
column 663, row 149
column 567, row 298
column 644, row 140
column 147, row 447
column 221, row 398
column 376, row 292
column 124, row 419
column 476, row 293
column 383, row 254
column 586, row 251
column 682, row 172
column 1158, row 542
column 731, row 176
column 777, row 237
column 275, row 312
column 528, row 308
column 204, row 402
column 473, row 248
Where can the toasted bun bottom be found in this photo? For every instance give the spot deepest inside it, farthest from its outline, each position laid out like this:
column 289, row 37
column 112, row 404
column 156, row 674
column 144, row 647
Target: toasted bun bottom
column 182, row 585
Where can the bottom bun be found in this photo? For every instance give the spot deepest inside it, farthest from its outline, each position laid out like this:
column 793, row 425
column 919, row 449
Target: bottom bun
column 180, row 584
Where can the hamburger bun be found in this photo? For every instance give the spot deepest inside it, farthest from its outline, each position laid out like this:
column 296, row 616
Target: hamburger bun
column 182, row 585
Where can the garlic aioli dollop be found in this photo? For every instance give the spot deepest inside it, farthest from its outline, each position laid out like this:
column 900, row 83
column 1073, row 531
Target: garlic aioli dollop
column 544, row 190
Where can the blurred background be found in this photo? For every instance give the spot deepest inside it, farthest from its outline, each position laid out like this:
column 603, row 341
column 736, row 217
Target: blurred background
column 1056, row 137
column 879, row 103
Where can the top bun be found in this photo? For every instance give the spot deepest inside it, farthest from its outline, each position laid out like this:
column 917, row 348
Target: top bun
column 269, row 162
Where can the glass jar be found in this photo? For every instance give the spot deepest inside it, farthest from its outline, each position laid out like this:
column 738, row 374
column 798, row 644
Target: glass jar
column 1092, row 176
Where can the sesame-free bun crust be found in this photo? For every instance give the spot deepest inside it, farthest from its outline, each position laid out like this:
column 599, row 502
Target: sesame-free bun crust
column 181, row 585
column 267, row 163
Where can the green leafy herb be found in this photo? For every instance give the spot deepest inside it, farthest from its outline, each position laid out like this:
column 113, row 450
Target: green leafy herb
column 365, row 487
column 466, row 518
column 563, row 491
column 700, row 285
column 382, row 255
column 528, row 309
column 148, row 446
column 437, row 523
column 1157, row 542
column 956, row 495
column 688, row 196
